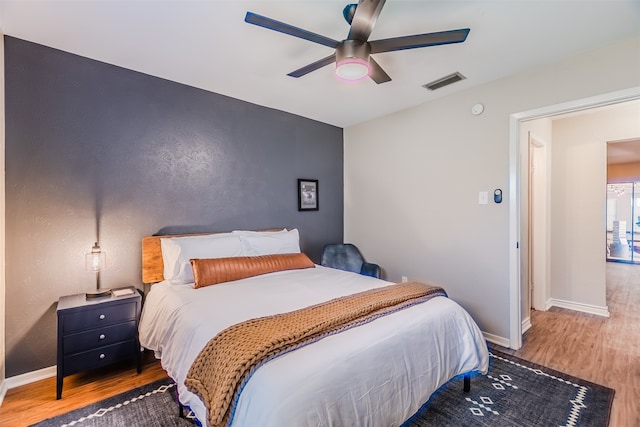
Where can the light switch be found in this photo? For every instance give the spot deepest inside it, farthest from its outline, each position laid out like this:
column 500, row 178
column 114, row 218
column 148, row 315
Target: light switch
column 483, row 197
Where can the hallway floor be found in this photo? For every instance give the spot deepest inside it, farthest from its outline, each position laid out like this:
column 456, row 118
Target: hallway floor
column 598, row 349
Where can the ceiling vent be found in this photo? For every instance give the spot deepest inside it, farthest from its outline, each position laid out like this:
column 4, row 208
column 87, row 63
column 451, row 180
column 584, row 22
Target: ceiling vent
column 444, row 81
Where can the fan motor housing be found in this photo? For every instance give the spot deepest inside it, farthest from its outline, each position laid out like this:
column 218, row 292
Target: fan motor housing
column 353, row 49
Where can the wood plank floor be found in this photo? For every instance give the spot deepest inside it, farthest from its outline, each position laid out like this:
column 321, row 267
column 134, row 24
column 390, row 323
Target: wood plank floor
column 601, row 350
column 35, row 402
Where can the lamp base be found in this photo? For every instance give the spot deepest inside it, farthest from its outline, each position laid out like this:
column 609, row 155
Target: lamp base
column 99, row 293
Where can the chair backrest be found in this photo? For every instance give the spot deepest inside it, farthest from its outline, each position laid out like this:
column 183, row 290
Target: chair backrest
column 343, row 256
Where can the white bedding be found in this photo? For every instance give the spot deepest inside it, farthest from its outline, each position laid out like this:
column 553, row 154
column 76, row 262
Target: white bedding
column 377, row 374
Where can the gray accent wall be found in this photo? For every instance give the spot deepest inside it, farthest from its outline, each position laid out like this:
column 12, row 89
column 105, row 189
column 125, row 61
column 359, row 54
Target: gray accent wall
column 98, row 152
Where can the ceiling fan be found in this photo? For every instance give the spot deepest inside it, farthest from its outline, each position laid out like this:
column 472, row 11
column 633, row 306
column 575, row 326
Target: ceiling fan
column 353, row 55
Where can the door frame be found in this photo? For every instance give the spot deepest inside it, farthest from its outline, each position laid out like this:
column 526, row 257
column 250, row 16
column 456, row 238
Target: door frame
column 515, row 120
column 538, row 223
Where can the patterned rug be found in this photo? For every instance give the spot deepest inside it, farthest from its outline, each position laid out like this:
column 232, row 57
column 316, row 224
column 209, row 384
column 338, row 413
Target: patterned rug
column 513, row 393
column 516, row 392
column 152, row 405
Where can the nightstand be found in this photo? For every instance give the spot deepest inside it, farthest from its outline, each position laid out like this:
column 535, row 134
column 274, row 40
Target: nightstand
column 96, row 332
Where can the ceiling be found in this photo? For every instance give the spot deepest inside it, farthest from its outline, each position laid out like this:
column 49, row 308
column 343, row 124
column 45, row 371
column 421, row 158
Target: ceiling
column 207, row 44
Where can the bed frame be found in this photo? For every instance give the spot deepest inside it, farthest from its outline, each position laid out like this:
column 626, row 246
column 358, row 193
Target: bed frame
column 152, row 265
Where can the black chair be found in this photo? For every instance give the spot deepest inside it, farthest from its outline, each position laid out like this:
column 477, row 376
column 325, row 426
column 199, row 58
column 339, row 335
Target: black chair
column 345, row 256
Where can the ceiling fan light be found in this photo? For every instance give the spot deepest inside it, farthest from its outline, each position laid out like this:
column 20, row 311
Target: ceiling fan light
column 352, row 69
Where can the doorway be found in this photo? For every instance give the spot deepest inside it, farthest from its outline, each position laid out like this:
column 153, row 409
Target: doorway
column 623, row 201
column 623, row 231
column 518, row 288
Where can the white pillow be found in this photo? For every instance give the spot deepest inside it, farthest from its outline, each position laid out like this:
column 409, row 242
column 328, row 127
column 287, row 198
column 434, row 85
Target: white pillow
column 255, row 243
column 258, row 233
column 177, row 251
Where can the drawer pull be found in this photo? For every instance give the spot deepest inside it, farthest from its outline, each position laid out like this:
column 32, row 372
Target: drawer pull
column 102, row 336
column 101, row 355
column 102, row 316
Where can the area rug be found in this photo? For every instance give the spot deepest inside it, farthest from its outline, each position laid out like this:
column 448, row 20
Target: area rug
column 516, row 392
column 152, row 405
column 513, row 393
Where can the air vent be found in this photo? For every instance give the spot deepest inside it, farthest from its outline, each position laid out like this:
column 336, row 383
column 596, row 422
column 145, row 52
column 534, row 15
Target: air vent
column 444, row 81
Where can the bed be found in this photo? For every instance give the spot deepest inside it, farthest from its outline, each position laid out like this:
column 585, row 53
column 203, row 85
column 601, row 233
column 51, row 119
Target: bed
column 378, row 373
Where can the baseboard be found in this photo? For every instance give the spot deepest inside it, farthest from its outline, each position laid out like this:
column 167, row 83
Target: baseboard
column 577, row 306
column 3, row 391
column 547, row 305
column 495, row 339
column 30, row 377
column 526, row 324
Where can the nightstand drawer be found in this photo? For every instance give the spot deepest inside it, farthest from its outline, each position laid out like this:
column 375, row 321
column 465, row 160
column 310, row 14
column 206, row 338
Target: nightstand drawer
column 99, row 316
column 99, row 337
column 100, row 357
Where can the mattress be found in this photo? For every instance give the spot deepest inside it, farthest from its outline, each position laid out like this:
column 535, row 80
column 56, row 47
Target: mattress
column 377, row 374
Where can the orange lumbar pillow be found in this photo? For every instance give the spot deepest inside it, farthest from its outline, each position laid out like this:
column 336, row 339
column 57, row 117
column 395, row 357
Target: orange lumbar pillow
column 212, row 271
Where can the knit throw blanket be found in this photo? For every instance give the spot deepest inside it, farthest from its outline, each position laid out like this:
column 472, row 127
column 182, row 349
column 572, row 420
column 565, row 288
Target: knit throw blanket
column 224, row 365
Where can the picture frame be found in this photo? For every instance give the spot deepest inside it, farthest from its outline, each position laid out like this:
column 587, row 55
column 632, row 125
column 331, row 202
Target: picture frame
column 308, row 195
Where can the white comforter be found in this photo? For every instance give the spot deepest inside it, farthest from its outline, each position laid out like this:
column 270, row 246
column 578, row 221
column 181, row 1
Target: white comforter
column 377, row 374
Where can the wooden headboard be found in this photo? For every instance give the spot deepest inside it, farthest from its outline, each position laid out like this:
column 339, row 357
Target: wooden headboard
column 152, row 265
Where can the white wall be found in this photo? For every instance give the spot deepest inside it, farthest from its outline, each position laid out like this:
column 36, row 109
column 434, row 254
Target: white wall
column 578, row 216
column 412, row 179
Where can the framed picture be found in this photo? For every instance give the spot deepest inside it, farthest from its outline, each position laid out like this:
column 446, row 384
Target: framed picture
column 307, row 194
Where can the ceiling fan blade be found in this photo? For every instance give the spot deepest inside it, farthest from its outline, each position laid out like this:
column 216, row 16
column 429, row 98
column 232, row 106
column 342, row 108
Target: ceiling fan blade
column 313, row 66
column 272, row 24
column 377, row 74
column 364, row 19
column 419, row 40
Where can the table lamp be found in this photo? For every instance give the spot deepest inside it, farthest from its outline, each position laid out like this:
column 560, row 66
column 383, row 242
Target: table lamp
column 95, row 261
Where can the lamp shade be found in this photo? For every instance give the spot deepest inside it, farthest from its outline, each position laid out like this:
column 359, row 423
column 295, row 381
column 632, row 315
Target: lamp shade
column 352, row 69
column 95, row 260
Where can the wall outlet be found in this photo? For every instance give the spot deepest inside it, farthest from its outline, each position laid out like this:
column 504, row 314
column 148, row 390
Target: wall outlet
column 404, row 279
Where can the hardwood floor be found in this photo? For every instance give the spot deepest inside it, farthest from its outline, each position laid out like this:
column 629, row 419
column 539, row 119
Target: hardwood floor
column 602, row 350
column 35, row 402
